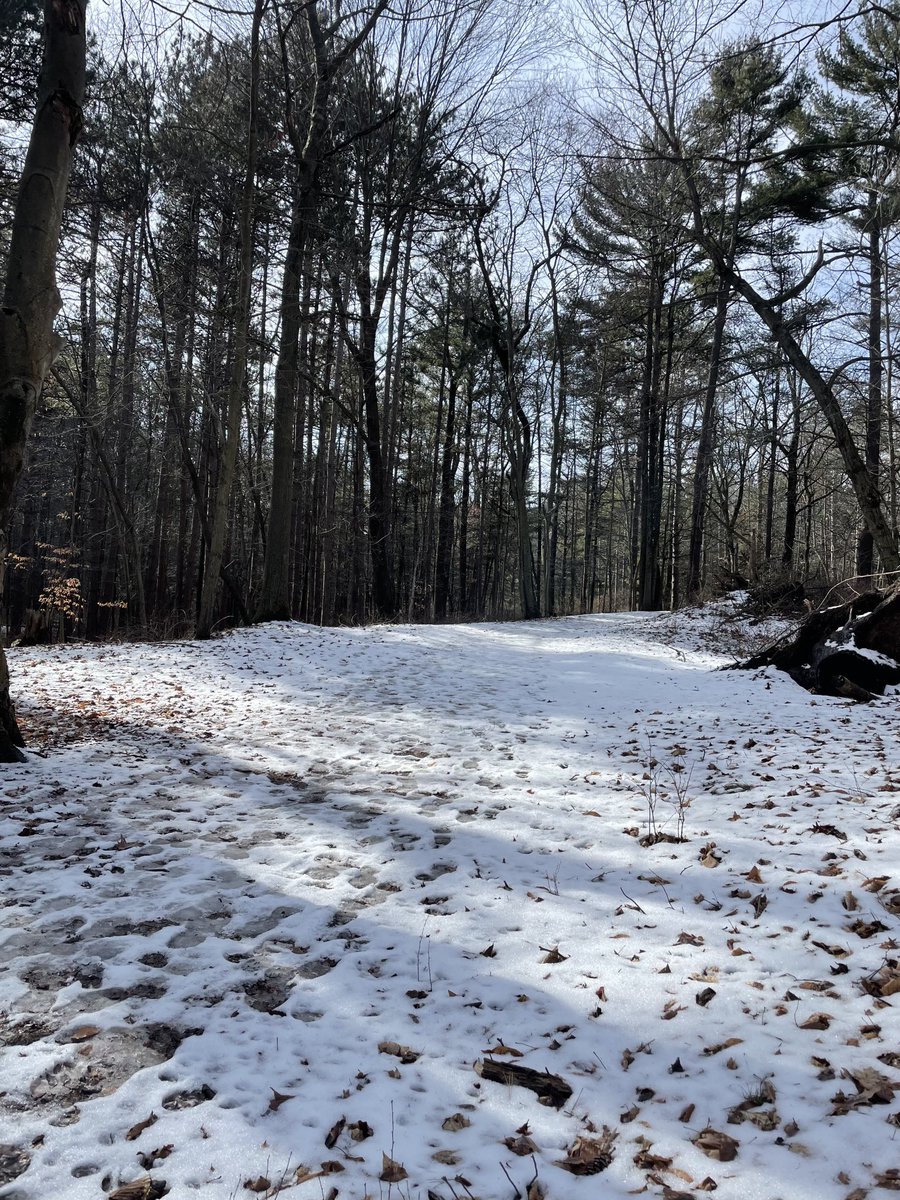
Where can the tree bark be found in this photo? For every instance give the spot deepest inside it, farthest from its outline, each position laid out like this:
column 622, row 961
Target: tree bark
column 237, row 378
column 850, row 649
column 31, row 300
column 706, row 447
column 865, row 544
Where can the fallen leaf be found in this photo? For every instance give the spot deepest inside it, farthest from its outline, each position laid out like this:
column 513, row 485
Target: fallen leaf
column 709, row 1051
column 83, row 1033
column 136, row 1130
column 149, row 1158
column 818, row 1021
column 456, row 1122
column 334, row 1133
column 278, row 1098
column 715, row 1144
column 688, row 939
column 405, row 1053
column 522, row 1145
column 391, row 1171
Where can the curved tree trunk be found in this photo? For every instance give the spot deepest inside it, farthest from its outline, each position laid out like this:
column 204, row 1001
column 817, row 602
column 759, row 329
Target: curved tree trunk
column 31, row 300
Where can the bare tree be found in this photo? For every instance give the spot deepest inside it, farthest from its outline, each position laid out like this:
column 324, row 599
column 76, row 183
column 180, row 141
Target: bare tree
column 656, row 53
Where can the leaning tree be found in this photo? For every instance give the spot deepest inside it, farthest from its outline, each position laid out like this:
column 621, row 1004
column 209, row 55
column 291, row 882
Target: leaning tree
column 31, row 299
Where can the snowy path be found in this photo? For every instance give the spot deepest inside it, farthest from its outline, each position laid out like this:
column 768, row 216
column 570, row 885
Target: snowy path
column 295, row 877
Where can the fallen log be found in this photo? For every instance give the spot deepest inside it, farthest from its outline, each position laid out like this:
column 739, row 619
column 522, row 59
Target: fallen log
column 551, row 1090
column 850, row 649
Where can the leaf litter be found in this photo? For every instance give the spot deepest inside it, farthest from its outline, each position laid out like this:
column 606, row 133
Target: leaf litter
column 247, row 865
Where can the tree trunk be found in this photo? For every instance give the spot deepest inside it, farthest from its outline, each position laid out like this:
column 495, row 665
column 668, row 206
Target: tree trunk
column 706, row 447
column 236, row 383
column 865, row 486
column 275, row 596
column 850, row 649
column 31, row 300
column 865, row 545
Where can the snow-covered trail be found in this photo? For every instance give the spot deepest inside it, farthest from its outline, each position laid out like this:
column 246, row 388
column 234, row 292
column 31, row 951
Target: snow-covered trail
column 297, row 876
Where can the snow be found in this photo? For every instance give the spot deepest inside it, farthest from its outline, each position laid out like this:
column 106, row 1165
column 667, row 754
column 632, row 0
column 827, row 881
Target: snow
column 233, row 870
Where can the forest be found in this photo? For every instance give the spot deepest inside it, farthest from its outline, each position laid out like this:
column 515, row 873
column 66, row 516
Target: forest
column 334, row 341
column 459, row 309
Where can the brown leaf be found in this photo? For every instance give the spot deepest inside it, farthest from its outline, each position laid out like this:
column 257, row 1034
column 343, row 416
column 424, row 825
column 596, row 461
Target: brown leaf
column 831, row 830
column 501, row 1049
column 456, row 1122
column 278, row 1098
column 760, row 903
column 488, row 952
column 391, row 1171
column 405, row 1053
column 715, row 1144
column 688, row 939
column 149, row 1158
column 449, row 1158
column 136, row 1130
column 83, row 1033
column 876, row 883
column 819, row 1020
column 648, row 1161
column 334, row 1133
column 360, row 1130
column 259, row 1184
column 522, row 1145
column 553, row 955
column 871, row 1088
column 709, row 1051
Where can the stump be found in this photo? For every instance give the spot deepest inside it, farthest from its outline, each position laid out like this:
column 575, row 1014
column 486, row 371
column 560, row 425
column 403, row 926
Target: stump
column 850, row 649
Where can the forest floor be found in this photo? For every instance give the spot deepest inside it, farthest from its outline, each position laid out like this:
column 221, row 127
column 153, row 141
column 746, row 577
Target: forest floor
column 296, row 911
